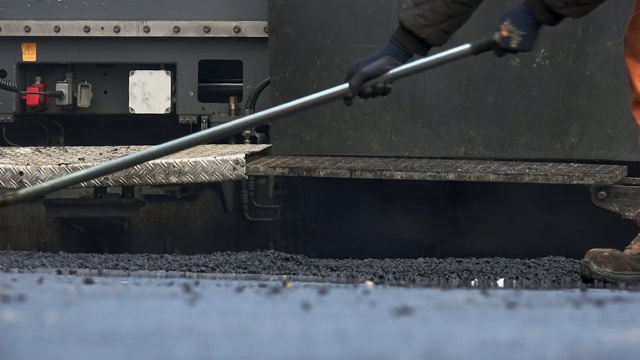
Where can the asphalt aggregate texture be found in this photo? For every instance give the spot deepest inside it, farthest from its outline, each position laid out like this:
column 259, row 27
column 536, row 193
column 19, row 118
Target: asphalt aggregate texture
column 542, row 273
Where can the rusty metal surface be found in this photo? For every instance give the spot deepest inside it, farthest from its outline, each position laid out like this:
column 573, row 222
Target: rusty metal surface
column 28, row 166
column 436, row 169
column 624, row 200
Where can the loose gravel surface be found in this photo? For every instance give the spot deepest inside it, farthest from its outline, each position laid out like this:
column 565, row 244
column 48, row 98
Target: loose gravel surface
column 547, row 273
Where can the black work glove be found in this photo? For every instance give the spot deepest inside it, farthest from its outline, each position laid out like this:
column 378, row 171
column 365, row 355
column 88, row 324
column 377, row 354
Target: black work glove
column 392, row 55
column 518, row 31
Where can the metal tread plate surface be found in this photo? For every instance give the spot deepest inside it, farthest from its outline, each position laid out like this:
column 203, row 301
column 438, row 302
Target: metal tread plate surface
column 27, row 166
column 436, row 169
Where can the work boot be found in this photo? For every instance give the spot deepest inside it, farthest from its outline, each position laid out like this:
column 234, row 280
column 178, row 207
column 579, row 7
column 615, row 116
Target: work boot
column 611, row 265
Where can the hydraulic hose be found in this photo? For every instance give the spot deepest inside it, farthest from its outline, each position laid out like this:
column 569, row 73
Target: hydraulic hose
column 252, row 99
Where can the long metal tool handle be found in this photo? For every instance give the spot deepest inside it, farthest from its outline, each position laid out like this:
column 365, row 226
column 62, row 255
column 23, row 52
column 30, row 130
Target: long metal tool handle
column 233, row 127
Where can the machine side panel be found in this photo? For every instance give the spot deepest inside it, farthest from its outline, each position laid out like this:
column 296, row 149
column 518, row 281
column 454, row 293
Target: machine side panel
column 228, row 10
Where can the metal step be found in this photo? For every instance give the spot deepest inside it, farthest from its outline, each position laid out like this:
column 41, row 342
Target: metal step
column 22, row 167
column 435, row 169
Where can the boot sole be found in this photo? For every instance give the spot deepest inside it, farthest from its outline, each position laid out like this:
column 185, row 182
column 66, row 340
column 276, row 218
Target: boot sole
column 589, row 272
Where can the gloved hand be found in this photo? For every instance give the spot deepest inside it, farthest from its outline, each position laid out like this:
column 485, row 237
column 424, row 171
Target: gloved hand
column 518, row 31
column 392, row 55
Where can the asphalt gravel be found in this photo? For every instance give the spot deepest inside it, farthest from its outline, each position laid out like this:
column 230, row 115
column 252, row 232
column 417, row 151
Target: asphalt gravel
column 545, row 273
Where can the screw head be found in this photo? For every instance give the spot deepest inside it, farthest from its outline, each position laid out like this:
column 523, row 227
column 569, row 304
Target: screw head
column 207, row 29
column 116, row 29
column 146, row 28
column 176, row 29
column 87, row 28
column 602, row 195
column 266, row 29
column 132, row 110
column 27, row 28
column 57, row 28
column 237, row 29
column 167, row 110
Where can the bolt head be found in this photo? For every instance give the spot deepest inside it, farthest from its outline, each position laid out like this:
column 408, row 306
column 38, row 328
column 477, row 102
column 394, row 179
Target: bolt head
column 266, row 29
column 602, row 195
column 57, row 28
column 237, row 29
column 27, row 28
column 146, row 28
column 116, row 29
column 87, row 28
column 207, row 29
column 132, row 110
column 176, row 29
column 167, row 110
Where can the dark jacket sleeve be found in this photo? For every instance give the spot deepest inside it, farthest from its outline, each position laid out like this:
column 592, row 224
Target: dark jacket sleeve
column 551, row 12
column 428, row 23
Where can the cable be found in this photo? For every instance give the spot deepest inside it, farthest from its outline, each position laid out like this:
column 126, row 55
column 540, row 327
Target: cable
column 46, row 131
column 39, row 123
column 4, row 136
column 11, row 86
column 54, row 122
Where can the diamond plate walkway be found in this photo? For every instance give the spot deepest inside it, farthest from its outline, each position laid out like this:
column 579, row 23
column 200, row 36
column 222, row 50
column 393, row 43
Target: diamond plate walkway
column 436, row 169
column 28, row 166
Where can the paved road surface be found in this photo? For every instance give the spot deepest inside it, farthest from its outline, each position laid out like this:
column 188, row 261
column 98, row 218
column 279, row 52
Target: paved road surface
column 48, row 316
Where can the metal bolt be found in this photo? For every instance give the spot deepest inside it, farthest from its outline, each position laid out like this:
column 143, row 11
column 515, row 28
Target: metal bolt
column 87, row 28
column 168, row 73
column 57, row 28
column 116, row 29
column 146, row 28
column 237, row 29
column 266, row 29
column 132, row 72
column 27, row 28
column 167, row 110
column 207, row 29
column 176, row 29
column 132, row 110
column 602, row 195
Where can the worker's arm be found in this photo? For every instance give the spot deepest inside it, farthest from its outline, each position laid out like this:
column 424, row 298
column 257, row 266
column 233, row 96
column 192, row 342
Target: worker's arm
column 519, row 27
column 551, row 12
column 428, row 23
column 423, row 24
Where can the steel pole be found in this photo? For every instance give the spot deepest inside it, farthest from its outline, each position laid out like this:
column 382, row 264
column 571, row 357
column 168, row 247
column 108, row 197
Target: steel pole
column 233, row 127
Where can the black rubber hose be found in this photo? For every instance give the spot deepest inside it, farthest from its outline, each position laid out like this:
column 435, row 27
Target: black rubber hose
column 11, row 86
column 252, row 99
